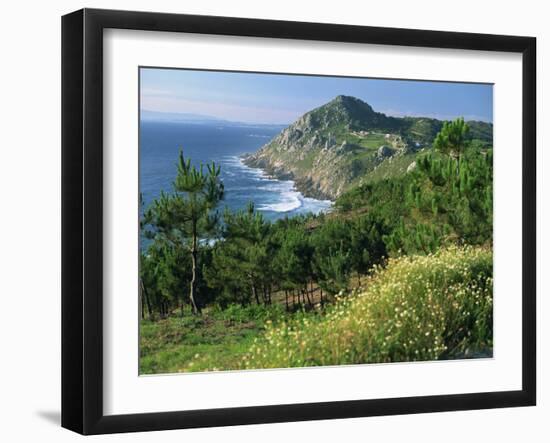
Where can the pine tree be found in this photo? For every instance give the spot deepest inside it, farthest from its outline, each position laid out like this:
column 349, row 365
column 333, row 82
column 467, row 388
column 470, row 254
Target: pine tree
column 242, row 258
column 186, row 215
column 334, row 269
column 452, row 139
column 366, row 245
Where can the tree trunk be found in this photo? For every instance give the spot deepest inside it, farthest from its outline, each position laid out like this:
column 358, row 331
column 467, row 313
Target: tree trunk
column 146, row 296
column 262, row 292
column 255, row 293
column 307, row 295
column 286, row 299
column 266, row 298
column 193, row 285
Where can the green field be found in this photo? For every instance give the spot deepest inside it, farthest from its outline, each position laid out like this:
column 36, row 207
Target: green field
column 371, row 142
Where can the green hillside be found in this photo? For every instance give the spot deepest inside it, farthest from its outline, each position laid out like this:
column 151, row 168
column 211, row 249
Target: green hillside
column 345, row 142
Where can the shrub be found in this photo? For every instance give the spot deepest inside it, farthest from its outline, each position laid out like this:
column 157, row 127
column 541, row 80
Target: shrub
column 425, row 307
column 252, row 312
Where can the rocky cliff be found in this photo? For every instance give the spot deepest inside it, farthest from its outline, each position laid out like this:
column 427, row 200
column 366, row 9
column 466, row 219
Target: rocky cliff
column 345, row 142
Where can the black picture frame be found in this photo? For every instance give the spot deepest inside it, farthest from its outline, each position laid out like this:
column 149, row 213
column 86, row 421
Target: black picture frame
column 82, row 218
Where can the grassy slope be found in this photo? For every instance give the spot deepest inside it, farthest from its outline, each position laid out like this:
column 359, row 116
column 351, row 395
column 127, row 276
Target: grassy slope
column 390, row 168
column 418, row 308
column 217, row 339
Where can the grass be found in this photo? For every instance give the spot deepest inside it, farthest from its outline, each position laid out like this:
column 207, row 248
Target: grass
column 217, row 339
column 371, row 142
column 305, row 164
column 432, row 307
column 389, row 169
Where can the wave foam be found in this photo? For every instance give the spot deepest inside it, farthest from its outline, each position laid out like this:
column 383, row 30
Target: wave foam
column 290, row 201
column 283, row 197
column 237, row 163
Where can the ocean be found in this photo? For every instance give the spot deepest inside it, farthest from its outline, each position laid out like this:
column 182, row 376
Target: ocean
column 160, row 143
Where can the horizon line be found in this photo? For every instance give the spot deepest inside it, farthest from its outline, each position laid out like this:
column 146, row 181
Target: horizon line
column 388, row 113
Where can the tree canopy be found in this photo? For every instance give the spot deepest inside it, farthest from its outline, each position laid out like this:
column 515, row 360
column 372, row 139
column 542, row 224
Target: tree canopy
column 453, row 138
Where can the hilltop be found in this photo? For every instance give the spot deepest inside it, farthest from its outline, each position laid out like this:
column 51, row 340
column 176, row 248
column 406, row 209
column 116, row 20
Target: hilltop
column 345, row 143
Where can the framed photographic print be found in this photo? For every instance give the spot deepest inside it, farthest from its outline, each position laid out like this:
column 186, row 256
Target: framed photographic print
column 269, row 221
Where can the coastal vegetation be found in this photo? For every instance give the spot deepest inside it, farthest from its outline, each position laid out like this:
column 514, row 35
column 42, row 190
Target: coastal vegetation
column 436, row 306
column 399, row 270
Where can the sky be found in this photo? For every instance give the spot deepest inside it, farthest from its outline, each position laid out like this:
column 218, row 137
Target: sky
column 281, row 99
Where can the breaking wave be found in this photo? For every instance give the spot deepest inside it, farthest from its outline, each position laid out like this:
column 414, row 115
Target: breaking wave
column 269, row 194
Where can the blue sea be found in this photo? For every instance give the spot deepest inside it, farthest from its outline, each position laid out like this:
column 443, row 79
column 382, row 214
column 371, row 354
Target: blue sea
column 223, row 143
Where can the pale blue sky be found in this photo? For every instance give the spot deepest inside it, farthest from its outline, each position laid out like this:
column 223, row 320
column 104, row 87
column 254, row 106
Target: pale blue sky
column 281, row 99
